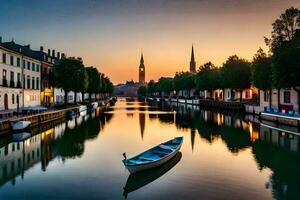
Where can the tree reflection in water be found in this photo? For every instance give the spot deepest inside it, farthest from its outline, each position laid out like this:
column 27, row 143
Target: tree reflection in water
column 57, row 141
column 271, row 148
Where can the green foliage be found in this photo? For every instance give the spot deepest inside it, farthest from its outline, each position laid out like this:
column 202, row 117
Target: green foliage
column 261, row 70
column 208, row 77
column 109, row 85
column 151, row 87
column 284, row 28
column 70, row 75
column 183, row 81
column 236, row 73
column 93, row 80
column 286, row 64
column 165, row 85
column 142, row 91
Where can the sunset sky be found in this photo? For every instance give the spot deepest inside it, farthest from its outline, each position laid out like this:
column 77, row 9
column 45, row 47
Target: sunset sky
column 110, row 35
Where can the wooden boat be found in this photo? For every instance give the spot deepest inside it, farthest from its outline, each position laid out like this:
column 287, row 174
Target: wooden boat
column 153, row 157
column 140, row 179
column 20, row 125
column 17, row 137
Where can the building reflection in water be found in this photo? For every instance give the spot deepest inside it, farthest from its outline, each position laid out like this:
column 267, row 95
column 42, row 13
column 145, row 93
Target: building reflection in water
column 56, row 142
column 272, row 148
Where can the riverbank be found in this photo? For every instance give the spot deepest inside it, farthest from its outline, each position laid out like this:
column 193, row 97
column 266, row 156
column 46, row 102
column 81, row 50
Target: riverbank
column 236, row 107
column 44, row 117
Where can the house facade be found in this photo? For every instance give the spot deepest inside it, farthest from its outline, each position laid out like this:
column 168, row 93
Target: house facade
column 11, row 97
column 283, row 100
column 32, row 80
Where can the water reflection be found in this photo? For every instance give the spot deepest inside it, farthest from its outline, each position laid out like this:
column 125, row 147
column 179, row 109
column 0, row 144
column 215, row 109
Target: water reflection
column 270, row 155
column 140, row 179
column 63, row 141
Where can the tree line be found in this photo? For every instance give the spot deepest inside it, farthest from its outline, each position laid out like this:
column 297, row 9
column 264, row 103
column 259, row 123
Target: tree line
column 276, row 69
column 70, row 74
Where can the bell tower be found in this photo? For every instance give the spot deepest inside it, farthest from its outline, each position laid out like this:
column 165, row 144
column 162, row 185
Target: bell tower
column 142, row 70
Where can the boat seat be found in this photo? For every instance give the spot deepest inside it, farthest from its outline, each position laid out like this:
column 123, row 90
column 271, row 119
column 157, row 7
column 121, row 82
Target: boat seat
column 165, row 147
column 161, row 152
column 150, row 158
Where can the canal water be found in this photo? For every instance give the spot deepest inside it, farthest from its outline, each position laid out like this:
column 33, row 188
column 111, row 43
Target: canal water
column 223, row 156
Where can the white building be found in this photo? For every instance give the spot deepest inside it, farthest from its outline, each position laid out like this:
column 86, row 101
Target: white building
column 32, row 80
column 20, row 76
column 287, row 100
column 59, row 95
column 10, row 78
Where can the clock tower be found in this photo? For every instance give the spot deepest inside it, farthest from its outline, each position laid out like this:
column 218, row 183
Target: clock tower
column 142, row 70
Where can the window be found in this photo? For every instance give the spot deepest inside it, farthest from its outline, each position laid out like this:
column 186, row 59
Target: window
column 19, row 77
column 37, row 83
column 28, row 65
column 28, row 82
column 4, row 58
column 24, row 64
column 18, row 62
column 287, row 97
column 33, row 83
column 12, row 76
column 13, row 99
column 266, row 96
column 4, row 74
column 11, row 60
column 23, row 81
column 33, row 66
column 38, row 68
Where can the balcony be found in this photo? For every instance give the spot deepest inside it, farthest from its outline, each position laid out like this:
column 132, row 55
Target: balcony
column 4, row 83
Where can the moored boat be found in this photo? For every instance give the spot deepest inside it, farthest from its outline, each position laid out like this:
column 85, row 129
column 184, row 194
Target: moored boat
column 153, row 157
column 17, row 137
column 20, row 125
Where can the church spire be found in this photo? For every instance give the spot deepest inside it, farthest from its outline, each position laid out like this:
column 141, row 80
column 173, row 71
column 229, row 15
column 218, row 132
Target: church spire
column 142, row 70
column 192, row 62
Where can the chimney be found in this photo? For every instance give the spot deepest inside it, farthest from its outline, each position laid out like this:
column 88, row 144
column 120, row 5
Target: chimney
column 53, row 53
column 41, row 48
column 49, row 52
column 0, row 39
column 58, row 55
column 63, row 55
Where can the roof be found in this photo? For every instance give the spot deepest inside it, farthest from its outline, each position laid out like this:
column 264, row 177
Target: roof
column 25, row 50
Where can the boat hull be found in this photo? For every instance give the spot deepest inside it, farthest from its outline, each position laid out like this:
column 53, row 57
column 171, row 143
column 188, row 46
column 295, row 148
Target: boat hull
column 151, row 165
column 138, row 168
column 20, row 125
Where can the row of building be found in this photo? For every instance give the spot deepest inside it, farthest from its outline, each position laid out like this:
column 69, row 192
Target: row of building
column 281, row 100
column 26, row 77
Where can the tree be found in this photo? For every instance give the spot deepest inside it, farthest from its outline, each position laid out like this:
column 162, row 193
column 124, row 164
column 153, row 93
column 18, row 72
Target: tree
column 142, row 91
column 165, row 85
column 102, row 83
column 151, row 87
column 70, row 75
column 93, row 81
column 284, row 28
column 109, row 85
column 208, row 78
column 261, row 74
column 236, row 74
column 184, row 81
column 286, row 65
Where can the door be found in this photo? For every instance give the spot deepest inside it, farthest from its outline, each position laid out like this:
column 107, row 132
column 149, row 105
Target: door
column 5, row 102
